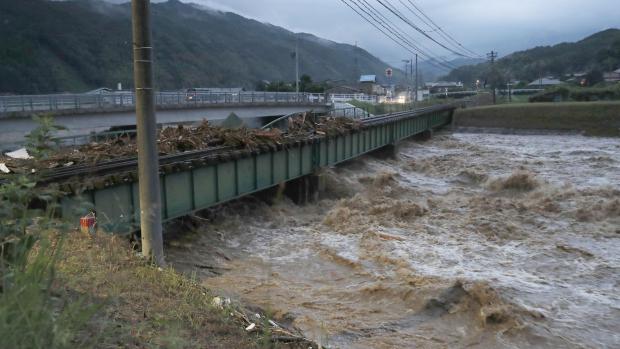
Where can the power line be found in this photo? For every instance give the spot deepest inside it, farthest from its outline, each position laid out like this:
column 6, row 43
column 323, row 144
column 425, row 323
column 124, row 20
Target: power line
column 377, row 27
column 418, row 46
column 411, row 24
column 386, row 24
column 441, row 31
column 391, row 37
column 435, row 28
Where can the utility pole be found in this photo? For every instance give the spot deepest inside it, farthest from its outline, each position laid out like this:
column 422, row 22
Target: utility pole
column 148, row 161
column 509, row 85
column 357, row 66
column 491, row 57
column 416, row 77
column 297, row 64
column 407, row 63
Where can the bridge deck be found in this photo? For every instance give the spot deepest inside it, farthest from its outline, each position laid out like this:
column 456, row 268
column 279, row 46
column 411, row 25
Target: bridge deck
column 201, row 184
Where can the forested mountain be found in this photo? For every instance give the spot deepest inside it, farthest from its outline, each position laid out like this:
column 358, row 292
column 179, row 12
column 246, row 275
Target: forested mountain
column 598, row 52
column 57, row 46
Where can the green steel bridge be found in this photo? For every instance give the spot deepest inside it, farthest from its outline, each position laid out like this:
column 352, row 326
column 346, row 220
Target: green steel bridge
column 197, row 180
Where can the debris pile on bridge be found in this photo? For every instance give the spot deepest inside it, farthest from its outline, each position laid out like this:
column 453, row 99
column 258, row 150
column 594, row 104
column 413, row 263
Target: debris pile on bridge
column 305, row 124
column 179, row 139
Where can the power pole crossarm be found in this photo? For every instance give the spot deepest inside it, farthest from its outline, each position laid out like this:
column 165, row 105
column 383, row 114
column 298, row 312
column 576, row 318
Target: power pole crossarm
column 148, row 161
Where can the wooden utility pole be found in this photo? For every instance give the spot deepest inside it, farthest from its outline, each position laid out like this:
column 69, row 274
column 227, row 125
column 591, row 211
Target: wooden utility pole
column 416, row 77
column 297, row 65
column 408, row 63
column 148, row 160
column 491, row 56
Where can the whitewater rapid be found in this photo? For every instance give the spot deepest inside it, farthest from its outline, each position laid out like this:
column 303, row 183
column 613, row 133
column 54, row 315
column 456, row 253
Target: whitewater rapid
column 467, row 240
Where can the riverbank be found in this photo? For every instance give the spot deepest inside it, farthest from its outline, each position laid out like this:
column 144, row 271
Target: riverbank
column 140, row 306
column 588, row 118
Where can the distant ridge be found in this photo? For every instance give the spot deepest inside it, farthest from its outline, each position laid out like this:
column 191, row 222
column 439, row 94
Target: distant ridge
column 600, row 51
column 78, row 45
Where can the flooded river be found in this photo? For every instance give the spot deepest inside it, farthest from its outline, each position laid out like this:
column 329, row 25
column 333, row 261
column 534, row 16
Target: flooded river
column 467, row 240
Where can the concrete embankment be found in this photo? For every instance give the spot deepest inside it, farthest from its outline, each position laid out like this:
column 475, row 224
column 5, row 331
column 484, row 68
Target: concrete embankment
column 589, row 118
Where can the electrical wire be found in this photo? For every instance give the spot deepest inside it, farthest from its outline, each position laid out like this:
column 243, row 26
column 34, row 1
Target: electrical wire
column 436, row 27
column 425, row 51
column 411, row 24
column 383, row 31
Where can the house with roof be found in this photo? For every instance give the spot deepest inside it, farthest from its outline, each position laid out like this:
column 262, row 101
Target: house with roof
column 444, row 86
column 613, row 76
column 545, row 82
column 370, row 85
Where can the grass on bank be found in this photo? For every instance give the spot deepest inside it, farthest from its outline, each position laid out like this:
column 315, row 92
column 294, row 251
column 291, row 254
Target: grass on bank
column 95, row 292
column 63, row 289
column 591, row 118
column 141, row 306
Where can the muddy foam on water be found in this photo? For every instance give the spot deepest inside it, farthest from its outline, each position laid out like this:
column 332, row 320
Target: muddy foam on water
column 468, row 240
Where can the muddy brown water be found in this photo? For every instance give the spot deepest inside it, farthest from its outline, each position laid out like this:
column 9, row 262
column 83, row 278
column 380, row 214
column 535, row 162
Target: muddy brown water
column 468, row 240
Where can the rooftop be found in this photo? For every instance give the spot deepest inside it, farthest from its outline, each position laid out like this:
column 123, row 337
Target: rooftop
column 444, row 84
column 545, row 81
column 368, row 78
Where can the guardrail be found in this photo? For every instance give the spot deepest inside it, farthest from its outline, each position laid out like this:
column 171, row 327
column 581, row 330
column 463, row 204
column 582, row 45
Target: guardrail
column 354, row 96
column 120, row 100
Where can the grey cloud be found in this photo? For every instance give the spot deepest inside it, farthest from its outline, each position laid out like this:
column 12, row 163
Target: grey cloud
column 482, row 25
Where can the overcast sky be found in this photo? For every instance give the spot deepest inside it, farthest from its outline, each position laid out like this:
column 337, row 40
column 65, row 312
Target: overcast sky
column 481, row 25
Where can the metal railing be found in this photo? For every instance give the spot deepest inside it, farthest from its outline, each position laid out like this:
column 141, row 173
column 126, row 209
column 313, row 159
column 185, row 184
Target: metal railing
column 352, row 112
column 120, row 100
column 355, row 96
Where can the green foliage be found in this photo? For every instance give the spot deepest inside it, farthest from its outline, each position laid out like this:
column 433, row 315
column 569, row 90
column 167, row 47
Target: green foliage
column 60, row 46
column 22, row 224
column 578, row 94
column 591, row 118
column 495, row 78
column 41, row 142
column 599, row 52
column 276, row 86
column 594, row 77
column 30, row 315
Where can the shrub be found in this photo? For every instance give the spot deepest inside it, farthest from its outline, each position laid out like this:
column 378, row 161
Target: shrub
column 30, row 315
column 579, row 94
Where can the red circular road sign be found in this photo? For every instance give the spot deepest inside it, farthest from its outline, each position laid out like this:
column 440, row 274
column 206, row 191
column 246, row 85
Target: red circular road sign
column 388, row 72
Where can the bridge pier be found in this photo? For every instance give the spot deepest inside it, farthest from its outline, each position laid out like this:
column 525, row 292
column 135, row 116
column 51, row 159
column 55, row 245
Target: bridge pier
column 305, row 189
column 424, row 136
column 389, row 151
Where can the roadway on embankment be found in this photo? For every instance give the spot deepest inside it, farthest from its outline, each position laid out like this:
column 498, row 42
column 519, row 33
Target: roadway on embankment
column 588, row 118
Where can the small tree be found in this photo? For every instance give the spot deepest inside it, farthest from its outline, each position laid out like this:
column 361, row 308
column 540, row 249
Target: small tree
column 305, row 83
column 30, row 315
column 41, row 141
